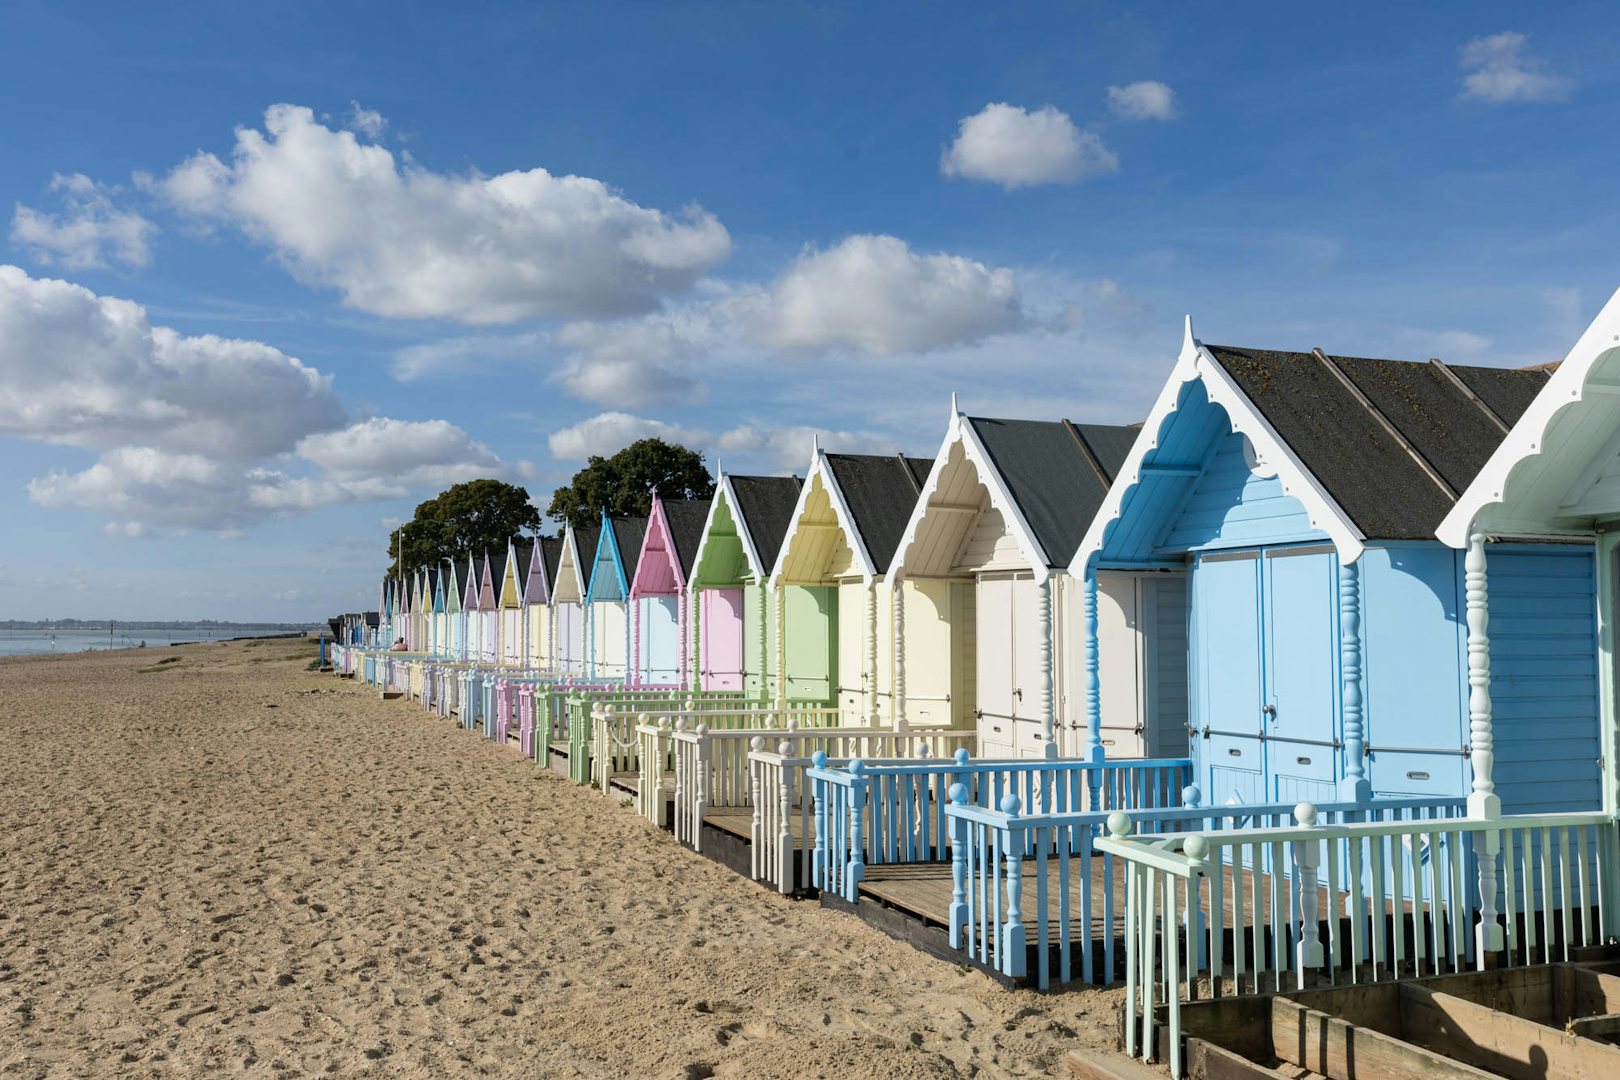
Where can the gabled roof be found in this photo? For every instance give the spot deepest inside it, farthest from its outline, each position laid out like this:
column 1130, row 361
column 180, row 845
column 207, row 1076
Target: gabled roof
column 764, row 506
column 871, row 498
column 586, row 541
column 536, row 582
column 627, row 534
column 618, row 545
column 663, row 565
column 1372, row 449
column 373, row 618
column 1557, row 473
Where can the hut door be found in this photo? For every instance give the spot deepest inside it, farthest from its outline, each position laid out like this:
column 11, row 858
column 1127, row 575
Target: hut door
column 1227, row 621
column 722, row 631
column 1302, row 672
column 993, row 624
column 853, row 633
column 1029, row 730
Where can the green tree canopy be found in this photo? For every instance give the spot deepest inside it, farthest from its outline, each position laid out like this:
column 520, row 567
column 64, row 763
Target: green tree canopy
column 623, row 484
column 480, row 515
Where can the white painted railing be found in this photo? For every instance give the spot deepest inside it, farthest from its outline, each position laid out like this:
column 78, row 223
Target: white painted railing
column 616, row 746
column 1256, row 910
column 712, row 767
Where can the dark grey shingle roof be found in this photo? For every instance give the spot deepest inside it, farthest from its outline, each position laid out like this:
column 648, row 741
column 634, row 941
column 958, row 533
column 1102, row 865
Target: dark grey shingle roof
column 1051, row 477
column 686, row 518
column 373, row 618
column 765, row 504
column 627, row 534
column 880, row 492
column 587, row 538
column 551, row 550
column 497, row 572
column 1373, row 478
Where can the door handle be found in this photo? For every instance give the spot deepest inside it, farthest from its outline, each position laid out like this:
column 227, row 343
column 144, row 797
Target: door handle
column 1269, row 711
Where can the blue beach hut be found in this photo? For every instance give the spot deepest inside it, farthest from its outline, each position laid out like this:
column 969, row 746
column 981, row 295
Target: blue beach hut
column 1298, row 494
column 607, row 600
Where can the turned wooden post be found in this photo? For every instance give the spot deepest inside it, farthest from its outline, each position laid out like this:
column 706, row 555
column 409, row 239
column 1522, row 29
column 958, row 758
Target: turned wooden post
column 959, row 842
column 1013, row 961
column 1307, row 856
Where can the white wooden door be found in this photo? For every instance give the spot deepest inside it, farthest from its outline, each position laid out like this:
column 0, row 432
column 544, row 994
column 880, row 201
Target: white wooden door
column 1120, row 664
column 993, row 626
column 852, row 653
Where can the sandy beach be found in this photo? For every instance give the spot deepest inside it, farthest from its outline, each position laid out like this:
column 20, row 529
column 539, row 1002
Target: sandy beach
column 216, row 860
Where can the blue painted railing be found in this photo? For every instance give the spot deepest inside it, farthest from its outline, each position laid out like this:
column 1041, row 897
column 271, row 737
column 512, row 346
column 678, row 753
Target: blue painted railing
column 895, row 813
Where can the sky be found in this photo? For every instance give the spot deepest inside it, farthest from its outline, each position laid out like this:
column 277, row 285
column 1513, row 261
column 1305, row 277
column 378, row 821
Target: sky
column 271, row 274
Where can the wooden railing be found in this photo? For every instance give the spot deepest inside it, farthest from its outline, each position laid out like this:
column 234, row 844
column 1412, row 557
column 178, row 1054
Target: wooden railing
column 1357, row 901
column 895, row 813
column 783, row 828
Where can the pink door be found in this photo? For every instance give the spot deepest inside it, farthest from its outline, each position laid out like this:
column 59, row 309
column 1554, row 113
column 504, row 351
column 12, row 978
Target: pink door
column 722, row 633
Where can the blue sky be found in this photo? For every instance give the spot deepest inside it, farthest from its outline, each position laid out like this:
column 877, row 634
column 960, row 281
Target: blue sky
column 278, row 272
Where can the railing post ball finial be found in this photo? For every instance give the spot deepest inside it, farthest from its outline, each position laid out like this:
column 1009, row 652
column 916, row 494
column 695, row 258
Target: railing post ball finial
column 1195, row 847
column 702, row 731
column 643, row 718
column 857, row 767
column 793, row 725
column 757, row 743
column 785, row 748
column 1120, row 824
column 1010, row 804
column 819, row 759
column 690, row 704
column 663, row 722
column 1305, row 814
column 1191, row 796
column 962, row 755
column 958, row 794
column 680, row 723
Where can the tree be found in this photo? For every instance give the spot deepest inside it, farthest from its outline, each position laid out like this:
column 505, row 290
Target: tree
column 478, row 516
column 623, row 484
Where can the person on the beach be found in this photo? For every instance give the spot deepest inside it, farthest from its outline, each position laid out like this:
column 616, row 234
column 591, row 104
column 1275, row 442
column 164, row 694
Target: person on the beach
column 398, row 645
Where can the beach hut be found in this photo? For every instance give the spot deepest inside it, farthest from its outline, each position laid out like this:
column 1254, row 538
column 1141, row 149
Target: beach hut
column 441, row 633
column 570, row 586
column 537, row 606
column 492, row 573
column 607, row 603
column 1555, row 477
column 662, row 642
column 981, row 588
column 1297, row 494
column 471, row 624
column 748, row 519
column 513, row 626
column 832, row 602
column 454, row 573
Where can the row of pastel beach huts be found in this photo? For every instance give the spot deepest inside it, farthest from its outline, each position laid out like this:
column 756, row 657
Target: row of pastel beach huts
column 1307, row 675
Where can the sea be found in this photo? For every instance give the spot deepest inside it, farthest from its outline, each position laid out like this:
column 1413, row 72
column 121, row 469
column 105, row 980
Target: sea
column 132, row 635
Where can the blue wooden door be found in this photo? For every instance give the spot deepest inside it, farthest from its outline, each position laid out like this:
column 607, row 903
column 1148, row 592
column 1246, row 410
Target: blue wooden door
column 1227, row 625
column 1302, row 673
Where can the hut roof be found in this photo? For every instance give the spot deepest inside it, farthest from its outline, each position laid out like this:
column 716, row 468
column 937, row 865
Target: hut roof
column 1394, row 442
column 686, row 518
column 551, row 551
column 1057, row 472
column 880, row 492
column 765, row 505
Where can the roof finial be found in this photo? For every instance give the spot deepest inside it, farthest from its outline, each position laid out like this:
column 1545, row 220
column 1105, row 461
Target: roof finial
column 815, row 443
column 955, row 411
column 1189, row 344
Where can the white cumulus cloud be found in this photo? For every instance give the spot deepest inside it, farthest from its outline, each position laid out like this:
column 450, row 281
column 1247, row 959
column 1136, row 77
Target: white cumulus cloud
column 195, row 431
column 368, row 122
column 637, row 363
column 90, row 231
column 1149, row 100
column 1498, row 70
column 788, row 448
column 1010, row 146
column 609, row 432
column 396, row 239
column 875, row 294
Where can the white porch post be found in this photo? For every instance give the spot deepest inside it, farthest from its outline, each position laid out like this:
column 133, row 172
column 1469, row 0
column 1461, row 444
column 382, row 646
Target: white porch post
column 871, row 653
column 1088, row 617
column 781, row 645
column 635, row 643
column 1354, row 787
column 1048, row 718
column 897, row 604
column 765, row 689
column 1483, row 801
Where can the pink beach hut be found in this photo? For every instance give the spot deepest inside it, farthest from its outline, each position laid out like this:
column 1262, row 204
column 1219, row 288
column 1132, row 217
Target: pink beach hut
column 662, row 639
